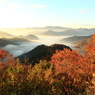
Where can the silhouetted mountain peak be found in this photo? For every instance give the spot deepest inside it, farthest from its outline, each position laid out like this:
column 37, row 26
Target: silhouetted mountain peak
column 42, row 52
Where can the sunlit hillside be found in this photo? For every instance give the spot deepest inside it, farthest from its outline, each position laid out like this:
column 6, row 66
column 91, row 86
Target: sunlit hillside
column 47, row 47
column 67, row 72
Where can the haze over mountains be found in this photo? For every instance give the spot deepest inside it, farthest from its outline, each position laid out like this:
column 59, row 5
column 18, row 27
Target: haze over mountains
column 17, row 45
column 74, row 39
column 70, row 32
column 21, row 40
column 29, row 37
column 4, row 34
column 54, row 29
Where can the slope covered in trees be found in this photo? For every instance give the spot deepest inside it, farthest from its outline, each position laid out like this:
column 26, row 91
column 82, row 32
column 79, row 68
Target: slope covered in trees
column 67, row 73
column 41, row 52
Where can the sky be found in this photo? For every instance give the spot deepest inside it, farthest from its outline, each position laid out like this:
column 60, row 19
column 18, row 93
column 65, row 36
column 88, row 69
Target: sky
column 40, row 13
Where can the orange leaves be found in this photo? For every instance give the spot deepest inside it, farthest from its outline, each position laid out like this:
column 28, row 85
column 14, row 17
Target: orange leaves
column 65, row 54
column 78, row 67
column 75, row 67
column 70, row 73
column 90, row 46
column 89, row 49
column 66, row 59
column 72, row 60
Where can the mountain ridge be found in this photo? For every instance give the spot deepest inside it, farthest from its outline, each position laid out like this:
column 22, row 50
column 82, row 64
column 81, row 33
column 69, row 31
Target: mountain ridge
column 74, row 39
column 42, row 52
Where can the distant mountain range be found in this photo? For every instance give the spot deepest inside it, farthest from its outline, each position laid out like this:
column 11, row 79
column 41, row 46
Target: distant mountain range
column 50, row 33
column 74, row 39
column 4, row 34
column 4, row 42
column 56, row 30
column 12, row 41
column 7, row 35
column 42, row 52
column 18, row 40
column 6, row 38
column 29, row 37
column 70, row 32
column 75, row 35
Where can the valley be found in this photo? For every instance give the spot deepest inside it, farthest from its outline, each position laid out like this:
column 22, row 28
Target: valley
column 33, row 37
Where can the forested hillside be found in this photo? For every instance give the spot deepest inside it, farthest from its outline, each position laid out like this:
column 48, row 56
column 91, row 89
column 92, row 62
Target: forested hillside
column 41, row 52
column 67, row 73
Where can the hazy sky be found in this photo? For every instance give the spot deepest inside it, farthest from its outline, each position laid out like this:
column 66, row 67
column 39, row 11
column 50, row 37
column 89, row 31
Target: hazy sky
column 38, row 13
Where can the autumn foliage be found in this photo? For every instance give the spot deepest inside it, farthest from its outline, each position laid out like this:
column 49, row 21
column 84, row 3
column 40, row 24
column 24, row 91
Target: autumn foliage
column 68, row 73
column 5, row 57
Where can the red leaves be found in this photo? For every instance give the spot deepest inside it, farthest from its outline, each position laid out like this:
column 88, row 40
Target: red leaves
column 4, row 58
column 1, row 64
column 4, row 54
column 2, row 51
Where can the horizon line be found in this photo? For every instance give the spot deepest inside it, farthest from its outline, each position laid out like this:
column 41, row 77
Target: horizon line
column 48, row 26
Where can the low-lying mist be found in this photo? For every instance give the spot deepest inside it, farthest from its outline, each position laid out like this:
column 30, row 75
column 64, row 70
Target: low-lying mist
column 18, row 50
column 46, row 35
column 25, row 47
column 49, row 40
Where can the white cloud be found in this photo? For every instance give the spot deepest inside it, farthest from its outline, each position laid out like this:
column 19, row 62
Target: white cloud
column 35, row 6
column 86, row 10
column 2, row 1
column 15, row 5
column 38, row 6
column 83, row 10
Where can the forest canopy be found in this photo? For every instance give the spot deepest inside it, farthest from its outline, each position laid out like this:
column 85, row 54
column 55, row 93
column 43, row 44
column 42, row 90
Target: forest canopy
column 67, row 73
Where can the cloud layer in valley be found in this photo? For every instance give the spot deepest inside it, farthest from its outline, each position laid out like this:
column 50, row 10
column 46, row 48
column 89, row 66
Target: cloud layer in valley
column 17, row 50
